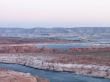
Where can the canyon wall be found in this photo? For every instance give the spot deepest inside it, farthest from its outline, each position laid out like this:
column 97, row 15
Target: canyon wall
column 42, row 62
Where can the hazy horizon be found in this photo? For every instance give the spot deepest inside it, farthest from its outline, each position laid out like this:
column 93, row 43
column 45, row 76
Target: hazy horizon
column 54, row 13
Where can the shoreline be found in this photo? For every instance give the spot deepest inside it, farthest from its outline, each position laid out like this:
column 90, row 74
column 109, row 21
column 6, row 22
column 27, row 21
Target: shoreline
column 14, row 76
column 40, row 62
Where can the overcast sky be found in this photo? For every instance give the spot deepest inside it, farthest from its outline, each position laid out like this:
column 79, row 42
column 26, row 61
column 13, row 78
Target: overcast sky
column 54, row 13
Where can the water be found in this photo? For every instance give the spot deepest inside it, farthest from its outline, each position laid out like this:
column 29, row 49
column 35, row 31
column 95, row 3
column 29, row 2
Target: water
column 86, row 44
column 64, row 45
column 53, row 76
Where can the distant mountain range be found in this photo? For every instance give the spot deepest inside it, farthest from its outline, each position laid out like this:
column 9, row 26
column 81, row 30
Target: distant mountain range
column 97, row 32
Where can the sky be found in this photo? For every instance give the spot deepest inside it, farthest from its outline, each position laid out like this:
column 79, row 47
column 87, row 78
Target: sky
column 54, row 13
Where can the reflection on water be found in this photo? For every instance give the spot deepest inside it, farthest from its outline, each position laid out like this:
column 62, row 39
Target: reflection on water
column 53, row 76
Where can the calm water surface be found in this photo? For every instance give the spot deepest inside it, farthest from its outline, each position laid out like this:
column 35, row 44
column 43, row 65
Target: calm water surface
column 64, row 45
column 53, row 76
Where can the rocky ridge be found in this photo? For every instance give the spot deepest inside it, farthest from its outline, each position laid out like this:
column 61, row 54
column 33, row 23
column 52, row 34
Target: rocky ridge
column 42, row 62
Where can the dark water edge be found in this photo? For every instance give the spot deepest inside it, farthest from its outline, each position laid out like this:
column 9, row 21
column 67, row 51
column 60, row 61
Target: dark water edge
column 53, row 76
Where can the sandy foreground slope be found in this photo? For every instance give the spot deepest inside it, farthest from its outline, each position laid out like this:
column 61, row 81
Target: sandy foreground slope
column 12, row 76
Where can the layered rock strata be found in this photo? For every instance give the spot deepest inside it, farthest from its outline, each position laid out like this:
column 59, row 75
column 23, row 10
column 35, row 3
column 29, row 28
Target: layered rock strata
column 42, row 62
column 32, row 48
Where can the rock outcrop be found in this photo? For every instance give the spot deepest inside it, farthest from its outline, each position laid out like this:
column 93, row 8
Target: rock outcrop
column 42, row 62
column 12, row 76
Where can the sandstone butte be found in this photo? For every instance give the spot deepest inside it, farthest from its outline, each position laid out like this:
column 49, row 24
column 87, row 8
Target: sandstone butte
column 12, row 76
